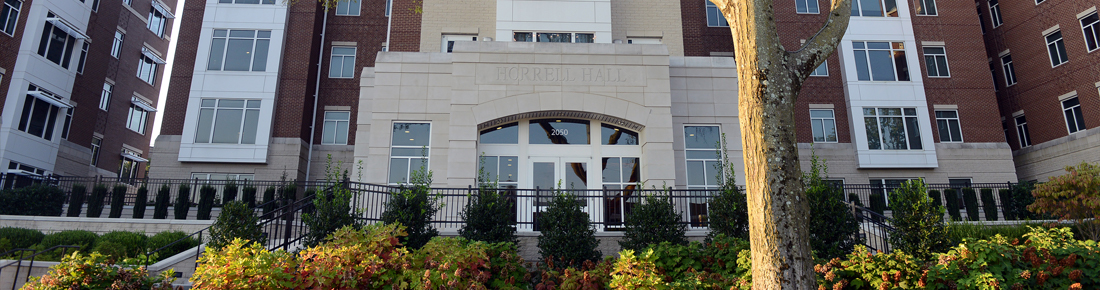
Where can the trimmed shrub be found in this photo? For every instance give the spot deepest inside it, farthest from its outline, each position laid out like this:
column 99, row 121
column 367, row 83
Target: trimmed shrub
column 1074, row 196
column 85, row 239
column 140, row 202
column 728, row 213
column 269, row 196
column 183, row 201
column 364, row 259
column 118, row 199
column 1006, row 203
column 244, row 265
column 97, row 271
column 236, row 221
column 854, row 198
column 229, row 191
column 248, row 195
column 332, row 211
column 121, row 245
column 878, row 203
column 489, row 214
column 20, row 237
column 160, row 209
column 1019, row 201
column 206, row 201
column 652, row 222
column 951, row 196
column 833, row 229
column 567, row 239
column 937, row 198
column 34, row 200
column 920, row 227
column 163, row 239
column 413, row 206
column 970, row 199
column 76, row 200
column 989, row 205
column 95, row 205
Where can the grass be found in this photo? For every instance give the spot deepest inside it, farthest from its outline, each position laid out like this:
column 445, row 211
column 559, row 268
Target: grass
column 957, row 232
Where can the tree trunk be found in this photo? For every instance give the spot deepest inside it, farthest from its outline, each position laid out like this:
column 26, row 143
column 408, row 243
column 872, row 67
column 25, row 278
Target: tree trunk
column 769, row 79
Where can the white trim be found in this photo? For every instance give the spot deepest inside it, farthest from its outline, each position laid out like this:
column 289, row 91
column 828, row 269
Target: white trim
column 61, row 23
column 142, row 104
column 1003, row 53
column 1086, row 12
column 821, row 106
column 47, row 97
column 344, row 43
column 133, row 157
column 3, row 70
column 932, row 43
column 1066, row 96
column 1052, row 29
column 337, row 108
column 152, row 55
column 1017, row 113
column 163, row 10
column 944, row 107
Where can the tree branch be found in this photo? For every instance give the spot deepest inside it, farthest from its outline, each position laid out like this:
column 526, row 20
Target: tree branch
column 821, row 45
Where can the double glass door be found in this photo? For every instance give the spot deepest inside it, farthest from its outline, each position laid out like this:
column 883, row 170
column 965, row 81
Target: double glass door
column 550, row 176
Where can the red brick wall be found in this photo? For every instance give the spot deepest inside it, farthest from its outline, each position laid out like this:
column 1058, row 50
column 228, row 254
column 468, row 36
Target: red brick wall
column 9, row 49
column 1038, row 84
column 183, row 68
column 298, row 73
column 700, row 40
column 405, row 35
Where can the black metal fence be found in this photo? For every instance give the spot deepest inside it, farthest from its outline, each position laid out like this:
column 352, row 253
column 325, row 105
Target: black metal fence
column 974, row 202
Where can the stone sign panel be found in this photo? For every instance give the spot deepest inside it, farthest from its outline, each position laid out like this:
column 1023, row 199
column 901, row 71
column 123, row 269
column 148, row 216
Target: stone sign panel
column 578, row 75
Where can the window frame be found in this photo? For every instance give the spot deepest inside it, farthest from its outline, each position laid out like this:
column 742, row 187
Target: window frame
column 1009, row 70
column 332, row 62
column 105, row 96
column 149, row 67
column 95, row 6
column 857, row 6
column 28, row 114
column 721, row 19
column 824, row 67
column 995, row 13
column 1091, row 28
column 67, row 124
column 1056, row 47
column 256, row 56
column 47, row 42
column 116, row 44
column 1022, row 131
column 708, row 172
column 935, row 58
column 139, row 113
column 957, row 125
column 241, row 129
column 897, row 74
column 348, row 6
column 335, row 126
column 816, row 7
column 906, row 132
column 425, row 153
column 813, row 128
column 1075, row 111
column 4, row 27
column 922, row 4
column 97, row 145
column 83, row 57
column 128, row 2
column 163, row 22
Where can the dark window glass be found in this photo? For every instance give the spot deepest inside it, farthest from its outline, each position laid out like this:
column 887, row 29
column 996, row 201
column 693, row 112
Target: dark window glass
column 618, row 136
column 503, row 134
column 559, row 131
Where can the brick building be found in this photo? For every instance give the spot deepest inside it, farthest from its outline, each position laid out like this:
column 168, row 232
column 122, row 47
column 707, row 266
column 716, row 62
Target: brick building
column 73, row 106
column 1044, row 58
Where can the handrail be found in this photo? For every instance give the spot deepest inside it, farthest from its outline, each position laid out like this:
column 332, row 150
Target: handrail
column 32, row 256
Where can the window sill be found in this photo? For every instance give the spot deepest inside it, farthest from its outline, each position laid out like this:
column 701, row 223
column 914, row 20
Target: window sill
column 939, row 77
column 708, row 25
column 357, row 15
column 1060, row 64
column 928, row 15
column 808, row 13
column 818, row 76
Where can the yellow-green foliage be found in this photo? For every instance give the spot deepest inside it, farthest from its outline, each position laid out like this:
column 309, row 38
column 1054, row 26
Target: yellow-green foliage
column 243, row 265
column 78, row 271
column 356, row 259
column 636, row 272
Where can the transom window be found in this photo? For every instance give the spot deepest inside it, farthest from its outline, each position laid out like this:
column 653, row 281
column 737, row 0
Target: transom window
column 935, row 61
column 239, row 50
column 228, row 121
column 10, row 16
column 1022, row 131
column 926, row 7
column 1075, row 120
column 1091, row 30
column 880, row 61
column 1056, row 49
column 805, row 6
column 559, row 131
column 875, row 8
column 892, row 128
column 503, row 134
column 617, row 136
column 1010, row 71
column 948, row 123
column 714, row 16
column 410, row 147
column 823, row 125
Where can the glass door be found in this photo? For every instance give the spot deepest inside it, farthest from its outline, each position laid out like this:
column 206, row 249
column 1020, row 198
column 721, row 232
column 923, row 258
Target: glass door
column 551, row 175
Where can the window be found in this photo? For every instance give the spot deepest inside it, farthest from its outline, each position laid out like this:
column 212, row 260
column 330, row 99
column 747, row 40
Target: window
column 703, row 156
column 336, row 128
column 875, row 8
column 157, row 21
column 83, row 58
column 227, row 121
column 389, row 7
column 68, row 123
column 449, row 41
column 1056, row 48
column 715, row 17
column 504, row 170
column 409, row 151
column 95, row 5
column 559, row 131
column 241, row 50
column 584, row 38
column 885, row 186
column 352, row 7
column 10, row 16
column 562, row 37
column 935, row 61
column 222, row 176
column 1075, row 121
column 993, row 74
column 247, row 1
column 39, row 116
column 128, row 166
column 116, row 46
column 613, row 135
column 1010, row 72
column 105, row 96
column 823, row 126
column 804, row 6
column 136, row 119
column 1091, row 30
column 948, row 123
column 995, row 13
column 56, row 45
column 821, row 70
column 147, row 69
column 97, row 143
column 926, row 7
column 1022, row 132
column 128, row 2
column 1039, row 1
column 880, row 61
column 343, row 62
column 892, row 128
column 503, row 134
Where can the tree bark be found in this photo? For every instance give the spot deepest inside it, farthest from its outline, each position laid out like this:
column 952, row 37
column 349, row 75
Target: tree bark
column 769, row 79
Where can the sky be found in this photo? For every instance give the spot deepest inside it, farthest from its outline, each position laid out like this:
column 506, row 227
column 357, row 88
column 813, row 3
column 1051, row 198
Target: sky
column 164, row 80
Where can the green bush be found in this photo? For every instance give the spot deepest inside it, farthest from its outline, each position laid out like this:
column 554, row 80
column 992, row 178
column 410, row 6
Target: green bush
column 653, row 221
column 183, row 202
column 961, row 232
column 160, row 209
column 332, row 211
column 937, row 198
column 854, row 199
column 34, row 200
column 76, row 200
column 920, row 227
column 989, row 205
column 236, row 221
column 1006, row 204
column 878, row 203
column 833, row 228
column 489, row 213
column 163, row 239
column 951, row 195
column 368, row 258
column 243, row 265
column 567, row 239
column 140, row 202
column 269, row 196
column 20, row 237
column 229, row 191
column 121, row 245
column 413, row 206
column 96, row 271
column 95, row 205
column 118, row 200
column 728, row 213
column 206, row 201
column 1020, row 199
column 85, row 239
column 248, row 195
column 970, row 199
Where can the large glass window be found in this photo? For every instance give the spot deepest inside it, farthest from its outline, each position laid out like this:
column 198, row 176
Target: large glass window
column 821, row 70
column 714, row 16
column 926, row 7
column 805, row 6
column 239, row 50
column 409, row 150
column 1056, row 49
column 343, row 62
column 559, row 131
column 97, row 144
column 157, row 21
column 613, row 135
column 116, row 46
column 875, row 8
column 56, row 45
column 823, row 125
column 1010, row 71
column 1022, row 132
column 503, row 134
column 68, row 124
column 564, row 37
column 995, row 13
column 38, row 118
column 892, row 128
column 105, row 96
column 147, row 69
column 228, row 121
column 128, row 168
column 1075, row 120
column 948, row 123
column 336, row 128
column 247, row 1
column 348, row 8
column 10, row 16
column 504, row 170
column 880, row 61
column 702, row 153
column 135, row 120
column 935, row 61
column 1091, row 30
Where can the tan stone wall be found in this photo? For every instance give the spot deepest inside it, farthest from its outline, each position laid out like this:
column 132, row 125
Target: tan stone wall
column 649, row 18
column 473, row 17
column 284, row 155
column 1041, row 161
column 704, row 92
column 102, row 225
column 981, row 162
